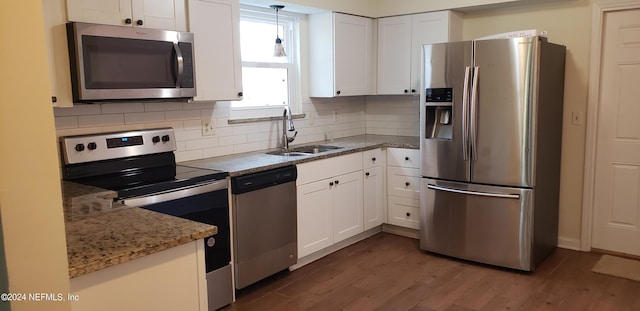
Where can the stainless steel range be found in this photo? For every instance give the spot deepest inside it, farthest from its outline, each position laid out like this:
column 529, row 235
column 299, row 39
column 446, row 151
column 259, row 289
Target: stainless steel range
column 140, row 166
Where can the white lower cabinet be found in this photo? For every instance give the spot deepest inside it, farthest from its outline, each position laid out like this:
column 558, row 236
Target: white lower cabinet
column 173, row 279
column 330, row 202
column 374, row 182
column 403, row 187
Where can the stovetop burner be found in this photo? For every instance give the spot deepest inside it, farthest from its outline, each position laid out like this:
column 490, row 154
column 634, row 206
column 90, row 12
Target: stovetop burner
column 132, row 163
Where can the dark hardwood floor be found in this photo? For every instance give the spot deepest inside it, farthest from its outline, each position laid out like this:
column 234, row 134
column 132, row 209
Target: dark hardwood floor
column 389, row 272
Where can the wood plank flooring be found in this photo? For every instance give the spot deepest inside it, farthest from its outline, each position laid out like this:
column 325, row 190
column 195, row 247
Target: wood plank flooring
column 389, row 272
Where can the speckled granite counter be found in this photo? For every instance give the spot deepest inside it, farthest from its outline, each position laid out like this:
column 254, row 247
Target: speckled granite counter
column 101, row 233
column 246, row 163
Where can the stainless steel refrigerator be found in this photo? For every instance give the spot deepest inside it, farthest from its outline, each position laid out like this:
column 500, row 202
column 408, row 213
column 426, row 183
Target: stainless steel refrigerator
column 491, row 130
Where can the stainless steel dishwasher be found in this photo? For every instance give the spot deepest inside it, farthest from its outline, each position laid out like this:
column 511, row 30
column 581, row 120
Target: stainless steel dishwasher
column 264, row 224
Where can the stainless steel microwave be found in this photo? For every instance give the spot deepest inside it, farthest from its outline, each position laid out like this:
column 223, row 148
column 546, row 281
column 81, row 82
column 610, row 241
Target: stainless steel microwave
column 126, row 63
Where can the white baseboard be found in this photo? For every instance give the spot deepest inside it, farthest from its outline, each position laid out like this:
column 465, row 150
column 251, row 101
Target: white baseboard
column 569, row 243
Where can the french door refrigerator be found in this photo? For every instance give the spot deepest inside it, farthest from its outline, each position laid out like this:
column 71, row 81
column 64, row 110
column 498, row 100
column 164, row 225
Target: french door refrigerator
column 490, row 136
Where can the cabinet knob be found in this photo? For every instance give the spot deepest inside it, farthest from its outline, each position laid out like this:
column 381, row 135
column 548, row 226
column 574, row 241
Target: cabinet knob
column 139, row 22
column 330, row 183
column 373, row 159
column 337, row 182
column 239, row 94
column 407, row 184
column 366, row 174
column 413, row 91
column 127, row 21
column 406, row 158
column 408, row 214
column 338, row 92
column 406, row 91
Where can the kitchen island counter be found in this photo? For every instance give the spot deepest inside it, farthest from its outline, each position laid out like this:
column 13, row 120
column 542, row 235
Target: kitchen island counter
column 102, row 233
column 252, row 162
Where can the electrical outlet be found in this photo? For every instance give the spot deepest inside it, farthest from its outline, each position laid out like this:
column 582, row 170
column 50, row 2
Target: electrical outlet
column 576, row 118
column 209, row 127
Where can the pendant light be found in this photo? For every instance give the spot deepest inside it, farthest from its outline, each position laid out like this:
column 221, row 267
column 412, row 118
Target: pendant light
column 278, row 50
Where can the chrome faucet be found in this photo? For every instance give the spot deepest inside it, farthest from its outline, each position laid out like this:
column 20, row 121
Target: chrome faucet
column 286, row 116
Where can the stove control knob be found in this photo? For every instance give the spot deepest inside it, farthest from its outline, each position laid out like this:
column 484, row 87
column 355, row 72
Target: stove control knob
column 92, row 146
column 155, row 139
column 165, row 138
column 80, row 147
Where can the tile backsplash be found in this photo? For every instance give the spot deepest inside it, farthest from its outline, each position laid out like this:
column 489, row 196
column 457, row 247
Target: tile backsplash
column 326, row 119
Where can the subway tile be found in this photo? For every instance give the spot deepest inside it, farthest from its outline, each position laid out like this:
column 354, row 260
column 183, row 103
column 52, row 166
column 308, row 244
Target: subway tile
column 144, row 117
column 188, row 155
column 218, row 151
column 101, row 120
column 77, row 110
column 201, row 143
column 182, row 114
column 66, row 122
column 162, row 106
column 121, row 108
column 233, row 140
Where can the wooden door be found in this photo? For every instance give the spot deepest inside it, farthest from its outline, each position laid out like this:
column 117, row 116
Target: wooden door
column 616, row 221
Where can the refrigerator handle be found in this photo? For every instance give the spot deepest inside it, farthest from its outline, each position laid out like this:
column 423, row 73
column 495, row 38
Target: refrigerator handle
column 484, row 194
column 474, row 114
column 465, row 112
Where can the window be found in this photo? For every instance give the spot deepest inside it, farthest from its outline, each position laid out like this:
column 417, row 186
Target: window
column 268, row 83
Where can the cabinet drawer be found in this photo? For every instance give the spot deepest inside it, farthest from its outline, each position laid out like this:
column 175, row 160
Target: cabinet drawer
column 372, row 158
column 327, row 168
column 404, row 212
column 403, row 157
column 403, row 182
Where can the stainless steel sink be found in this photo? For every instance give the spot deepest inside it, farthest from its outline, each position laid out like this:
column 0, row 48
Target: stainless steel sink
column 304, row 150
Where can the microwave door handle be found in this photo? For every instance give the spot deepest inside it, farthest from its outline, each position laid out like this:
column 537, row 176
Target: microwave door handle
column 180, row 61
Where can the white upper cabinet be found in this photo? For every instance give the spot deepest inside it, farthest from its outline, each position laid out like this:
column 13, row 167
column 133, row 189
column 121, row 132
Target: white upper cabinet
column 215, row 25
column 55, row 19
column 341, row 55
column 400, row 40
column 156, row 14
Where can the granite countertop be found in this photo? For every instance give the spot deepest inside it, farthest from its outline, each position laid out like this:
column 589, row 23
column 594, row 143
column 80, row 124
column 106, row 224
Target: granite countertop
column 252, row 162
column 102, row 233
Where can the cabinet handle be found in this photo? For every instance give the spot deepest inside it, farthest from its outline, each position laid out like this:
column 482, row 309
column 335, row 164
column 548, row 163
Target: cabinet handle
column 330, row 183
column 127, row 21
column 239, row 94
column 406, row 91
column 338, row 92
column 366, row 174
column 408, row 214
column 406, row 158
column 139, row 22
column 373, row 159
column 407, row 184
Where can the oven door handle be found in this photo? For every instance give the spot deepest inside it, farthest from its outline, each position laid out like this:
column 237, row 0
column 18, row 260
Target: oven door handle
column 176, row 193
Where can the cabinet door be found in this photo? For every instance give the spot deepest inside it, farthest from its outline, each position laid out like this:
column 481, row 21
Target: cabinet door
column 216, row 28
column 394, row 55
column 353, row 39
column 56, row 36
column 110, row 12
column 347, row 206
column 159, row 14
column 426, row 28
column 373, row 198
column 315, row 217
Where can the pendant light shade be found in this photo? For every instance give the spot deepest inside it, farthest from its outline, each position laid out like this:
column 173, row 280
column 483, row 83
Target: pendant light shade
column 278, row 50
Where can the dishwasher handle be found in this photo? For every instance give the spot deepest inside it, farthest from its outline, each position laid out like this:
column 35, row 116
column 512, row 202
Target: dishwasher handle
column 264, row 179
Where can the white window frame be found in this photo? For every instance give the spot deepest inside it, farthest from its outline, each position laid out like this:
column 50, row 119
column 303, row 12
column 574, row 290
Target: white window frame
column 291, row 41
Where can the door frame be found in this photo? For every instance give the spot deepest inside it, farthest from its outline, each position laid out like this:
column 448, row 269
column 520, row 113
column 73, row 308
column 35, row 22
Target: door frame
column 600, row 8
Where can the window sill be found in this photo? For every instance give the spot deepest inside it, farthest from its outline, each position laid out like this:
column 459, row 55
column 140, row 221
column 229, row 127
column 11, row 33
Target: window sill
column 263, row 119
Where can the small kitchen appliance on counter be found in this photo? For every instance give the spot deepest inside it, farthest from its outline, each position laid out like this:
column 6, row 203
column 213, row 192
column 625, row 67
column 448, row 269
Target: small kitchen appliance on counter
column 490, row 140
column 140, row 166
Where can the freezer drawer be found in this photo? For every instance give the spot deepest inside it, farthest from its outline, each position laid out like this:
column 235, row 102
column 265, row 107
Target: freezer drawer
column 486, row 224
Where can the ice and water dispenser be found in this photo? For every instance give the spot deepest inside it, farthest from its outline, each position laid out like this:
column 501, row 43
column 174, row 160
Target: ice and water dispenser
column 439, row 113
